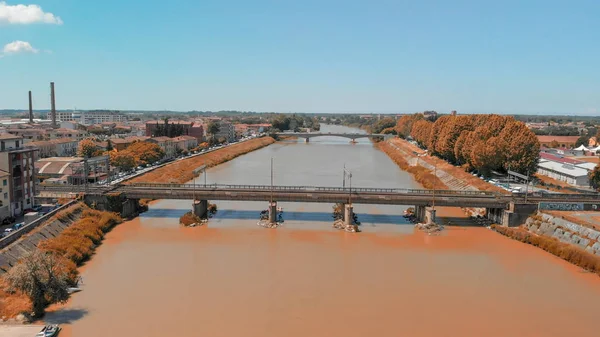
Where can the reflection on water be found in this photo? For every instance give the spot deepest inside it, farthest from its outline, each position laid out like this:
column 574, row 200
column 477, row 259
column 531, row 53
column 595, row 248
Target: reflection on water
column 232, row 278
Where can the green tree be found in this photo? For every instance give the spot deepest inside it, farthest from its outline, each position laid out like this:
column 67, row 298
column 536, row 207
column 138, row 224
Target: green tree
column 43, row 277
column 213, row 128
column 594, row 177
column 109, row 146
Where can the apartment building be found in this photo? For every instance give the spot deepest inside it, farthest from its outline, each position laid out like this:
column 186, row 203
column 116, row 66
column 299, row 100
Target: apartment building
column 4, row 195
column 185, row 143
column 166, row 144
column 55, row 148
column 18, row 162
column 90, row 117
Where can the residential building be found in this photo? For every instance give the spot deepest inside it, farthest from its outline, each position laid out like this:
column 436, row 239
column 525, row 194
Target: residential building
column 55, row 148
column 593, row 142
column 66, row 133
column 166, row 144
column 187, row 128
column 17, row 161
column 558, row 141
column 28, row 134
column 185, row 143
column 90, row 117
column 226, row 131
column 4, row 195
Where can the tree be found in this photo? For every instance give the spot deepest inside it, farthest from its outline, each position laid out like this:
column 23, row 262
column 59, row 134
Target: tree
column 554, row 144
column 145, row 152
column 109, row 146
column 43, row 277
column 86, row 148
column 213, row 128
column 123, row 160
column 594, row 177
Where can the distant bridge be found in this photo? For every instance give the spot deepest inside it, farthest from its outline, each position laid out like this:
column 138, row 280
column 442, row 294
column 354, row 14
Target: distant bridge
column 353, row 136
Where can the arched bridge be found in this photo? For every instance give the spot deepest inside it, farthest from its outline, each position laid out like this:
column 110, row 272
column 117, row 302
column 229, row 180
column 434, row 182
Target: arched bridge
column 352, row 136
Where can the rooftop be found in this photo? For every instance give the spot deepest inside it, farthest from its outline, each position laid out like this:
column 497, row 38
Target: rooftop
column 564, row 169
column 558, row 139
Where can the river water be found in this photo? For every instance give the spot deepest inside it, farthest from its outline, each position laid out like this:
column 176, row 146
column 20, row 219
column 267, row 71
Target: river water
column 232, row 278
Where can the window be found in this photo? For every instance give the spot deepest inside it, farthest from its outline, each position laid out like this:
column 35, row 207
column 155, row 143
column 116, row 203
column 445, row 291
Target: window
column 5, row 195
column 4, row 182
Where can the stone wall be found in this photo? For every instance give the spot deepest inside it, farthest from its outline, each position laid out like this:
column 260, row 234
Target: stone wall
column 565, row 231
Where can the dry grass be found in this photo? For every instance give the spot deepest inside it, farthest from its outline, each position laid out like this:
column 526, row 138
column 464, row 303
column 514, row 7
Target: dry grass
column 456, row 171
column 76, row 244
column 549, row 181
column 421, row 174
column 181, row 171
column 565, row 251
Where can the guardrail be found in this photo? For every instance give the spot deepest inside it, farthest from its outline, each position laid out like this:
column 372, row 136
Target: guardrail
column 306, row 189
column 15, row 235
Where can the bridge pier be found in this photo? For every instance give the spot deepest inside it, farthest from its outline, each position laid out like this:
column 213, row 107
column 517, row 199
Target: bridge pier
column 515, row 215
column 200, row 208
column 306, row 140
column 420, row 213
column 348, row 215
column 273, row 212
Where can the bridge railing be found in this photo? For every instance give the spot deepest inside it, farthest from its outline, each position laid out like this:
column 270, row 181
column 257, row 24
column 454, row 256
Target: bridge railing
column 307, row 189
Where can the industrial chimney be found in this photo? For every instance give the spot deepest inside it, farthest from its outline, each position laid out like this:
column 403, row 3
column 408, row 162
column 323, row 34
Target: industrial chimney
column 30, row 108
column 53, row 104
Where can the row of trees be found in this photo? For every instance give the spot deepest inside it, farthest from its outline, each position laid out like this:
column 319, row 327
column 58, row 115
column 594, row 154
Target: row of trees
column 484, row 142
column 167, row 129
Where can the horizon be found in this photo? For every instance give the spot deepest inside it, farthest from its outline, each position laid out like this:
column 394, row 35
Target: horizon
column 333, row 57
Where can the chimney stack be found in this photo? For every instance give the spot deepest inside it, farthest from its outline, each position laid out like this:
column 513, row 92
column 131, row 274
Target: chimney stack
column 53, row 104
column 30, row 108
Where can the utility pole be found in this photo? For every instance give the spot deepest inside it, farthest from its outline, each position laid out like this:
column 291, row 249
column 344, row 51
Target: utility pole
column 527, row 186
column 434, row 184
column 271, row 180
column 344, row 180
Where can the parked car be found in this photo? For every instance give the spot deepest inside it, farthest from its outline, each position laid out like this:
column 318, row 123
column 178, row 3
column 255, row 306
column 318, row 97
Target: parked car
column 18, row 225
column 37, row 208
column 8, row 220
column 8, row 230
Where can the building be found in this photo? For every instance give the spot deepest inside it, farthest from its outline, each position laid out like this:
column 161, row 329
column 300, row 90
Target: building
column 184, row 128
column 29, row 134
column 66, row 133
column 558, row 141
column 226, row 131
column 90, row 117
column 166, row 144
column 55, row 148
column 185, row 143
column 593, row 142
column 571, row 174
column 4, row 195
column 17, row 161
column 72, row 170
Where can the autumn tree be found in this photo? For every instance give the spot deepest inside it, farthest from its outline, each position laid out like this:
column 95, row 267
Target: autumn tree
column 43, row 277
column 554, row 144
column 123, row 160
column 86, row 148
column 146, row 152
column 594, row 177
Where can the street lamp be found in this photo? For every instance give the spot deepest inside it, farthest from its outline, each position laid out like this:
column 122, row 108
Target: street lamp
column 349, row 174
column 271, row 180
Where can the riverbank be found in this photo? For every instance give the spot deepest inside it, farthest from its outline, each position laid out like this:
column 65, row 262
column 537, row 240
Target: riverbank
column 81, row 232
column 181, row 171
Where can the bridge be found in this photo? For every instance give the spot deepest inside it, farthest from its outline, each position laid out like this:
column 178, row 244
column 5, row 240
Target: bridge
column 352, row 136
column 499, row 205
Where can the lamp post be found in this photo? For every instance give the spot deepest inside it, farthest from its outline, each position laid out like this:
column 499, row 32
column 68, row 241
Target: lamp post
column 271, row 180
column 349, row 174
column 434, row 184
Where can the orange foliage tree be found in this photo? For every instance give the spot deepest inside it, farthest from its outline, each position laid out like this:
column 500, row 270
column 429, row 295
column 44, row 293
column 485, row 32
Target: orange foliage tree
column 485, row 142
column 86, row 148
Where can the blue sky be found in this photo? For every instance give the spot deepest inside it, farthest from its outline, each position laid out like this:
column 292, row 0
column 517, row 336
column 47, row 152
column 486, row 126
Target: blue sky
column 525, row 56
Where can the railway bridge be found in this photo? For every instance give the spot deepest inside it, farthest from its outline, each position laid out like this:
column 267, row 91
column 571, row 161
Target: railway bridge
column 508, row 210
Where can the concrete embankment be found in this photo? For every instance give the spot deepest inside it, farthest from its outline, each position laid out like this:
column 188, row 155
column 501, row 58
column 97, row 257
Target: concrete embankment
column 30, row 236
column 182, row 171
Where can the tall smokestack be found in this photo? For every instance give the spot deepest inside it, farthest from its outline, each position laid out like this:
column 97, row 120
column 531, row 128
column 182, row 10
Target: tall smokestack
column 30, row 108
column 53, row 104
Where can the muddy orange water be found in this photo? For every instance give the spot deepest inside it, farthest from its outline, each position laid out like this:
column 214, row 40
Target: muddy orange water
column 233, row 278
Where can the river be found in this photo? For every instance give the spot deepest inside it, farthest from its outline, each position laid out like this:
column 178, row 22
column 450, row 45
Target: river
column 232, row 278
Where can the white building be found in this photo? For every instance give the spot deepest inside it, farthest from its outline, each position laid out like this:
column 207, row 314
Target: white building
column 18, row 162
column 90, row 117
column 569, row 173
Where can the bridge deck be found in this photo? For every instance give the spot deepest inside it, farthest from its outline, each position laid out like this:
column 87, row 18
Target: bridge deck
column 360, row 195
